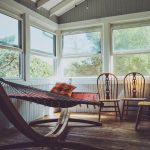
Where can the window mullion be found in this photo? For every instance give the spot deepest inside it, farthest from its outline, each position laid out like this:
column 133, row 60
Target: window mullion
column 26, row 46
column 106, row 47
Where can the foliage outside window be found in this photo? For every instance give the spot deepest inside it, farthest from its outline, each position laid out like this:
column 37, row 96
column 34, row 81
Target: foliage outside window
column 41, row 66
column 81, row 54
column 81, row 67
column 124, row 64
column 42, row 51
column 83, row 43
column 10, row 38
column 131, row 47
column 9, row 63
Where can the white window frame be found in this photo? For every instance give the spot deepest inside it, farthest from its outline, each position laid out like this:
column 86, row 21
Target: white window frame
column 44, row 54
column 125, row 26
column 124, row 52
column 77, row 80
column 18, row 48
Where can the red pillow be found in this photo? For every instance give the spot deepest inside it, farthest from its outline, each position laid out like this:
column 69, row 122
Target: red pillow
column 63, row 88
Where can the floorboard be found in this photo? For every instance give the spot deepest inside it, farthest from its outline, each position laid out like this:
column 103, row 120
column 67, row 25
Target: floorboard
column 113, row 135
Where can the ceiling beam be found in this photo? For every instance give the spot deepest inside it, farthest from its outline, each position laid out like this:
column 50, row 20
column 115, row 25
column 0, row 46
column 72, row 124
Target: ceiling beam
column 40, row 3
column 59, row 6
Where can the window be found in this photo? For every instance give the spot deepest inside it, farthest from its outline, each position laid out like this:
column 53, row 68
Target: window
column 131, row 39
column 131, row 47
column 42, row 53
column 88, row 42
column 10, row 47
column 81, row 54
column 41, row 41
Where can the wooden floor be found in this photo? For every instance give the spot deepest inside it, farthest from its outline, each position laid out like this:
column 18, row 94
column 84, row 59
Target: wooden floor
column 113, row 135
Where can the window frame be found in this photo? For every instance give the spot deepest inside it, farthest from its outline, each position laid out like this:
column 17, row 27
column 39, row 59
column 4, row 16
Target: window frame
column 81, row 55
column 42, row 53
column 54, row 42
column 127, row 52
column 80, row 31
column 125, row 26
column 13, row 47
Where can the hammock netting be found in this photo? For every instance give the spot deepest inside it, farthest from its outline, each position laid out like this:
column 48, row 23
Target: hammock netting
column 28, row 93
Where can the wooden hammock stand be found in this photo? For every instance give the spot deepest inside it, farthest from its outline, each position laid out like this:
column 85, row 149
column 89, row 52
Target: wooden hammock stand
column 53, row 139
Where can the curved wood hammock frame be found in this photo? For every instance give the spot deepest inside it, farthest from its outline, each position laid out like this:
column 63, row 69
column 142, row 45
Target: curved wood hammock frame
column 51, row 139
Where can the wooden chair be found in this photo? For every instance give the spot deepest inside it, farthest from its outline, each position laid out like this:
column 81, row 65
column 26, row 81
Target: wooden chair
column 134, row 85
column 107, row 86
column 143, row 111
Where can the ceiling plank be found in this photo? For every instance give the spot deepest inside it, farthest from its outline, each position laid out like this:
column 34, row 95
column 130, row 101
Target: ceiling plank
column 40, row 3
column 59, row 6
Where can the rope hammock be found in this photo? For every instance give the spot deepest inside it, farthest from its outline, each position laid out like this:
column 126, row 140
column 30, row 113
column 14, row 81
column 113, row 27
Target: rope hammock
column 39, row 96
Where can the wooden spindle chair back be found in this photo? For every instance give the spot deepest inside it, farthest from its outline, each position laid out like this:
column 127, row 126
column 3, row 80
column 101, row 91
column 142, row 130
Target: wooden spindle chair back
column 107, row 87
column 134, row 85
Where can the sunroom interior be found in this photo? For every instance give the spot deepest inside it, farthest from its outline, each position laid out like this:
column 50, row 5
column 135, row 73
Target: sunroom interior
column 44, row 42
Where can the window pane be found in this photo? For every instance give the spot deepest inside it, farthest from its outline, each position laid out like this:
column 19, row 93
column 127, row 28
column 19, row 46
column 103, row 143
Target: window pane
column 84, row 43
column 9, row 63
column 82, row 67
column 8, row 30
column 128, row 39
column 41, row 40
column 40, row 66
column 124, row 64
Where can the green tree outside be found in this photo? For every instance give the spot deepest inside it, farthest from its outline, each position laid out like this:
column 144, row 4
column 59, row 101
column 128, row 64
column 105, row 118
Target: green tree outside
column 134, row 39
column 90, row 66
column 10, row 63
column 39, row 67
column 87, row 66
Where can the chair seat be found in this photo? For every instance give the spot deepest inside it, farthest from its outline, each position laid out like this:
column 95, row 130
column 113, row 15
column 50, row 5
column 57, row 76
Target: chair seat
column 144, row 103
column 134, row 99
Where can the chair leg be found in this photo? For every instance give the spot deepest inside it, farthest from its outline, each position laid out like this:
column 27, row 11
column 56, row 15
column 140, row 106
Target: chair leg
column 127, row 107
column 138, row 119
column 149, row 112
column 99, row 118
column 122, row 116
column 119, row 111
column 116, row 109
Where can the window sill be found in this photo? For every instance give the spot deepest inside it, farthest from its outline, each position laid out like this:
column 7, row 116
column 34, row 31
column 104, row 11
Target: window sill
column 80, row 80
column 74, row 80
